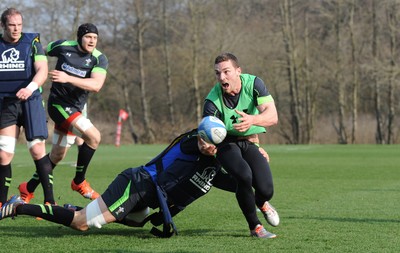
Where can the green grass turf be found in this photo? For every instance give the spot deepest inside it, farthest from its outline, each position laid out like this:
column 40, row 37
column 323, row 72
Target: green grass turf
column 330, row 198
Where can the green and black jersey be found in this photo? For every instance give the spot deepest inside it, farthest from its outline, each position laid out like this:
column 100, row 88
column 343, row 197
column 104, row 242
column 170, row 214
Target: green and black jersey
column 75, row 63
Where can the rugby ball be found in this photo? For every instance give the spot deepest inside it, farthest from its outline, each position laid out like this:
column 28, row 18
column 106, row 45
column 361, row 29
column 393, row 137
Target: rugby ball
column 212, row 130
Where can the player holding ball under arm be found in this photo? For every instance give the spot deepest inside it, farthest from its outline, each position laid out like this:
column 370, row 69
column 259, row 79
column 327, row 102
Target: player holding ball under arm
column 244, row 104
column 80, row 69
column 183, row 172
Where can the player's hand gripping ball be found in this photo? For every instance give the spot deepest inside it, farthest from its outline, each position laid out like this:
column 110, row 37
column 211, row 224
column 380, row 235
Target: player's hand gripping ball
column 212, row 130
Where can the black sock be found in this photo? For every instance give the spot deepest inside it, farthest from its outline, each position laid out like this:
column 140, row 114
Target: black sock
column 45, row 171
column 84, row 157
column 56, row 214
column 5, row 181
column 34, row 182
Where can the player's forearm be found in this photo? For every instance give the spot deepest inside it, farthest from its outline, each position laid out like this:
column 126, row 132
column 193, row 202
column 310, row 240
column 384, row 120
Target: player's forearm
column 266, row 119
column 268, row 115
column 89, row 84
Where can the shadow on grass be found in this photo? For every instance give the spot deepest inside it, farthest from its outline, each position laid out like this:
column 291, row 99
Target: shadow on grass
column 215, row 233
column 59, row 232
column 142, row 233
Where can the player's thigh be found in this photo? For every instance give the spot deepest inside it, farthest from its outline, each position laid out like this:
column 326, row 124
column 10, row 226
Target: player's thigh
column 231, row 159
column 89, row 133
column 63, row 116
column 122, row 195
column 262, row 176
column 61, row 143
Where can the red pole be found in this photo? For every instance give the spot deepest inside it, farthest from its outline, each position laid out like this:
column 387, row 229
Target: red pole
column 118, row 134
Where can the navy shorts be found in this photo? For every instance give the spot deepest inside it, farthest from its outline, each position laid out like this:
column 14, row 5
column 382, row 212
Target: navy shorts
column 132, row 190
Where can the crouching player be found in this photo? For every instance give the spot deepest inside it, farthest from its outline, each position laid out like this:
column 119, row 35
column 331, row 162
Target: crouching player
column 183, row 172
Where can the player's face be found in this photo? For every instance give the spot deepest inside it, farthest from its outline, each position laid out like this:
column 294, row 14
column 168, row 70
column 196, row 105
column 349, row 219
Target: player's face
column 89, row 42
column 13, row 28
column 228, row 76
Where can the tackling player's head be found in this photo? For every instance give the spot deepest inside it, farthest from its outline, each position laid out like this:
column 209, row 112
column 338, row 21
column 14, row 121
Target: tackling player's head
column 87, row 37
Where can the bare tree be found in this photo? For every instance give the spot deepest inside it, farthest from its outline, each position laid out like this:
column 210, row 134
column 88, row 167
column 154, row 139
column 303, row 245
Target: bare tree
column 392, row 21
column 76, row 20
column 355, row 82
column 140, row 30
column 289, row 43
column 195, row 19
column 340, row 128
column 170, row 102
column 311, row 54
column 310, row 90
column 380, row 138
column 129, row 110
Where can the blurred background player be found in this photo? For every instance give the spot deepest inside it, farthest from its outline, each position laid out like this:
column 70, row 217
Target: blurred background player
column 80, row 69
column 21, row 103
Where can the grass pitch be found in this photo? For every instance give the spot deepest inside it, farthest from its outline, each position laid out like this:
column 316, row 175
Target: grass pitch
column 331, row 198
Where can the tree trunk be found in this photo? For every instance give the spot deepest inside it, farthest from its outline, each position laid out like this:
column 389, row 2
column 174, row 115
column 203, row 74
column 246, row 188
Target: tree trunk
column 130, row 113
column 149, row 135
column 170, row 101
column 380, row 138
column 355, row 84
column 391, row 87
column 340, row 129
column 76, row 24
column 288, row 39
column 309, row 97
column 195, row 44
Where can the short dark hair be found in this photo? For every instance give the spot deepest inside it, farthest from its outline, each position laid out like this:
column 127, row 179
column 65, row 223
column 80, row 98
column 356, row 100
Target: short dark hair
column 226, row 57
column 7, row 13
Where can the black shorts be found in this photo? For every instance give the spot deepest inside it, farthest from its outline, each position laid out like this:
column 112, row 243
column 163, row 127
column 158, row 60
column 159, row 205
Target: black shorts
column 30, row 114
column 132, row 190
column 62, row 115
column 11, row 112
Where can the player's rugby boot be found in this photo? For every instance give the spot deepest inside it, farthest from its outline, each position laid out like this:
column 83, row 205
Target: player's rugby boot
column 9, row 208
column 270, row 214
column 25, row 195
column 85, row 190
column 261, row 232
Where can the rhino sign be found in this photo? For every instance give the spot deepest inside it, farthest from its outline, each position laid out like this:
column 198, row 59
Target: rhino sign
column 9, row 61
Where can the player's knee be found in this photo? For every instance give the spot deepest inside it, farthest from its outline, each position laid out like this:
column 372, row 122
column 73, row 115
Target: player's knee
column 57, row 154
column 93, row 138
column 39, row 142
column 270, row 193
column 245, row 179
column 56, row 157
column 36, row 148
column 97, row 138
column 63, row 140
column 7, row 144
